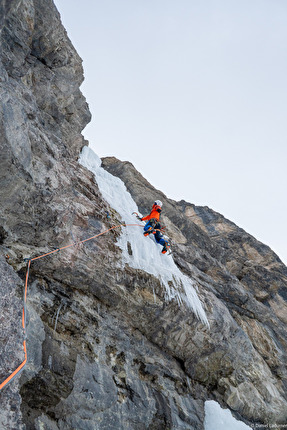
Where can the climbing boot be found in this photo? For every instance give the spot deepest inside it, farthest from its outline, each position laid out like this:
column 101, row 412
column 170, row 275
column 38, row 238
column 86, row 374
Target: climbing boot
column 165, row 248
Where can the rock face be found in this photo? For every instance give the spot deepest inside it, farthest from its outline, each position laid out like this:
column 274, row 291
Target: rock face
column 105, row 349
column 243, row 284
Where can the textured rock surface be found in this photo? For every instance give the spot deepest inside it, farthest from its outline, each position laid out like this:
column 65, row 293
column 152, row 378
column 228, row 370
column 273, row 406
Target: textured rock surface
column 243, row 357
column 105, row 349
column 11, row 341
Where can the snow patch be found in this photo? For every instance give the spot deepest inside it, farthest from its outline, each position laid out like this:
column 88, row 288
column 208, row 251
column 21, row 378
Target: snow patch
column 217, row 418
column 146, row 253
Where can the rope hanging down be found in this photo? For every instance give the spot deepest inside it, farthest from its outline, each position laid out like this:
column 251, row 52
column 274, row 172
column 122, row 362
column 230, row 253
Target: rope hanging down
column 22, row 365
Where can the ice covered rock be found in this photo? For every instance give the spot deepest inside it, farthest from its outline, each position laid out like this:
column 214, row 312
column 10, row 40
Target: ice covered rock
column 109, row 346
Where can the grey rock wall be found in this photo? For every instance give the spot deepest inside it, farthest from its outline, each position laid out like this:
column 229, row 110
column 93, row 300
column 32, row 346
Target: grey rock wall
column 106, row 351
column 11, row 341
column 242, row 359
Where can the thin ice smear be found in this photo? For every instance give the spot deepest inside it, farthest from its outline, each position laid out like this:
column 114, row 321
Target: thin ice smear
column 146, row 253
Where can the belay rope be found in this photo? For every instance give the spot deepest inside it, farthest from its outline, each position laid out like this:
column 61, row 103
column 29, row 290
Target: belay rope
column 24, row 362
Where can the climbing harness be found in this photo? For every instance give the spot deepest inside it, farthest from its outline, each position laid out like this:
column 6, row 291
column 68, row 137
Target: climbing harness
column 24, row 312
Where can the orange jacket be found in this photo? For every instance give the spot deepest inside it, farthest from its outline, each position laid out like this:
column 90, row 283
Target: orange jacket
column 155, row 213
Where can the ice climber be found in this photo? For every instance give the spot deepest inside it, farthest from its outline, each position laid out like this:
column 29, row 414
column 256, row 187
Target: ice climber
column 153, row 225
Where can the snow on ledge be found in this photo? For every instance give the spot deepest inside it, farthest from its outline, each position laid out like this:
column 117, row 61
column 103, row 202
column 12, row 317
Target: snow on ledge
column 146, row 253
column 217, row 418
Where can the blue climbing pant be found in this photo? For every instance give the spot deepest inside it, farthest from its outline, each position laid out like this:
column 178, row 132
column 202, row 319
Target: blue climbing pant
column 158, row 236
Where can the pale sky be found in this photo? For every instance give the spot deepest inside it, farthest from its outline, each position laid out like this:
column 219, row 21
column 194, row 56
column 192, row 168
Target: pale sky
column 194, row 94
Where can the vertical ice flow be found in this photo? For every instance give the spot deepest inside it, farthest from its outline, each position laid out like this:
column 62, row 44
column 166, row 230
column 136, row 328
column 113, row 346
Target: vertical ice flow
column 146, row 253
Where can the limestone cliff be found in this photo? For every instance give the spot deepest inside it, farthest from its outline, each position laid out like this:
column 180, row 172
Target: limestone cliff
column 106, row 350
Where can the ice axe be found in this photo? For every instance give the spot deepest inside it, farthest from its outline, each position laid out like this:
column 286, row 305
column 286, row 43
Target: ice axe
column 137, row 215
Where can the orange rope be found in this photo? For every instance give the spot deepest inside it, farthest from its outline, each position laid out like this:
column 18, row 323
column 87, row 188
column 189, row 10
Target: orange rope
column 22, row 365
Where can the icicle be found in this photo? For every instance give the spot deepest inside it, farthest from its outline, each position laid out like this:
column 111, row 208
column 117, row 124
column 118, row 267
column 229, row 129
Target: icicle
column 57, row 315
column 50, row 362
column 154, row 296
